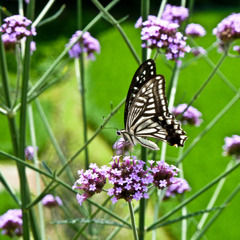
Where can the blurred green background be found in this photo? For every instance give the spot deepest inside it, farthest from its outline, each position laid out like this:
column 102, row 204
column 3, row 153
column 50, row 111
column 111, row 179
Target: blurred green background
column 108, row 79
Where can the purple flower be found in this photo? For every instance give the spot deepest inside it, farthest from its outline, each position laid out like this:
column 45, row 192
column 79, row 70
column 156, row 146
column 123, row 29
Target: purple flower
column 51, row 201
column 130, row 181
column 228, row 29
column 232, row 146
column 91, row 181
column 122, row 147
column 176, row 14
column 195, row 30
column 163, row 174
column 236, row 48
column 86, row 44
column 14, row 29
column 11, row 223
column 179, row 186
column 190, row 116
column 29, row 152
column 162, row 34
column 198, row 50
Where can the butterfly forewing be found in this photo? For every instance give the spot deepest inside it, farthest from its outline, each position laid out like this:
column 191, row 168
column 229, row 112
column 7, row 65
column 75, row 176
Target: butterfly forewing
column 145, row 72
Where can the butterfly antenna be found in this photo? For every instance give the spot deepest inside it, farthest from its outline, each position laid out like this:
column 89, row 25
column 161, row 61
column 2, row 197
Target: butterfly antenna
column 112, row 127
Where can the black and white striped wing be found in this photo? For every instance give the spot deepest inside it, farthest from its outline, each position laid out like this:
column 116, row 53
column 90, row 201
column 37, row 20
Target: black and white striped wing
column 145, row 72
column 149, row 116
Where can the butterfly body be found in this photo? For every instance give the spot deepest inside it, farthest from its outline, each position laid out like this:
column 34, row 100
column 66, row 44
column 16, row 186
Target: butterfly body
column 146, row 111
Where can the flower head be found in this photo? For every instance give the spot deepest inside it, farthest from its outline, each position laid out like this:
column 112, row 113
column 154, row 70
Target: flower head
column 176, row 14
column 122, row 147
column 14, row 29
column 228, row 29
column 190, row 116
column 11, row 223
column 29, row 152
column 179, row 186
column 232, row 146
column 195, row 30
column 162, row 34
column 129, row 179
column 51, row 201
column 163, row 174
column 198, row 50
column 86, row 44
column 236, row 48
column 91, row 181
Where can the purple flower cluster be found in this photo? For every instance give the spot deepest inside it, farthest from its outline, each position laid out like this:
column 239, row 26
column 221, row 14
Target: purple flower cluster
column 86, row 44
column 195, row 30
column 29, row 152
column 51, row 201
column 91, row 181
column 129, row 179
column 198, row 50
column 163, row 34
column 228, row 29
column 176, row 14
column 122, row 147
column 179, row 186
column 232, row 146
column 236, row 48
column 14, row 29
column 11, row 223
column 190, row 116
column 163, row 174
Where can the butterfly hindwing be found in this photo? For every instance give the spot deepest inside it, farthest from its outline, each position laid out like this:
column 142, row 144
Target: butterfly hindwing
column 146, row 71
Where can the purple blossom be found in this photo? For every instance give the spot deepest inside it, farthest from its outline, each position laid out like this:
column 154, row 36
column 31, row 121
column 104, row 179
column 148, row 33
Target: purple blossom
column 232, row 146
column 29, row 152
column 228, row 29
column 86, row 44
column 198, row 50
column 236, row 48
column 11, row 223
column 176, row 14
column 122, row 147
column 190, row 116
column 93, row 177
column 14, row 29
column 179, row 186
column 163, row 174
column 159, row 33
column 195, row 30
column 50, row 201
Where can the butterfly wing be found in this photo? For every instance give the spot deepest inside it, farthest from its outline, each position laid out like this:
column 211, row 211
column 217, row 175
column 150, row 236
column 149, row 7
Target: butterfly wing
column 149, row 116
column 145, row 72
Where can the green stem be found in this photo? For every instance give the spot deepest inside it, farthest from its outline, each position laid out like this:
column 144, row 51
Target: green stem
column 195, row 195
column 134, row 227
column 35, row 160
column 215, row 216
column 212, row 201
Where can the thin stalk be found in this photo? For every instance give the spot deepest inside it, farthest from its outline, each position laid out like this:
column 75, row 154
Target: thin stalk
column 209, row 126
column 134, row 227
column 35, row 160
column 191, row 198
column 212, row 201
column 79, row 69
column 53, row 140
column 25, row 195
column 162, row 6
column 145, row 9
column 215, row 216
column 114, row 22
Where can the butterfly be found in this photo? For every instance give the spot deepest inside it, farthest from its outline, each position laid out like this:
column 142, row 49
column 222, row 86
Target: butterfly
column 146, row 111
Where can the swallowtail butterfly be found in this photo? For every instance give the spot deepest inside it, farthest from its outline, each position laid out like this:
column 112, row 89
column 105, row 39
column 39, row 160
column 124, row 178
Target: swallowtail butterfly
column 146, row 111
